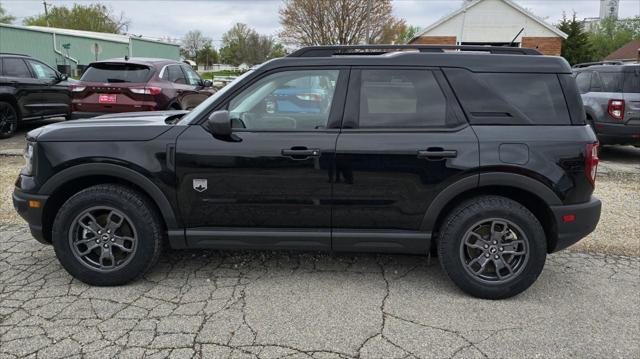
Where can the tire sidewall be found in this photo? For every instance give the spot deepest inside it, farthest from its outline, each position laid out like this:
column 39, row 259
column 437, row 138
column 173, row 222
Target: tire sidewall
column 17, row 116
column 142, row 256
column 449, row 248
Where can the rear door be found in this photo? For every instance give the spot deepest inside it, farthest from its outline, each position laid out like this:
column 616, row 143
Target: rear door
column 403, row 140
column 631, row 93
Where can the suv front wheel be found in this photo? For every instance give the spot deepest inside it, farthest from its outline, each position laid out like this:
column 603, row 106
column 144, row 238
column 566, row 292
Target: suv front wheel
column 107, row 235
column 492, row 247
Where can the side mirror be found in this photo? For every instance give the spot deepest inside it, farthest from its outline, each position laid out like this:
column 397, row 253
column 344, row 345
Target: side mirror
column 207, row 83
column 219, row 124
column 62, row 77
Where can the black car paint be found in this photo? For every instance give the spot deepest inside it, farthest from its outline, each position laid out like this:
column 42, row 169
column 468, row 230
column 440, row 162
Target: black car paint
column 388, row 199
column 35, row 98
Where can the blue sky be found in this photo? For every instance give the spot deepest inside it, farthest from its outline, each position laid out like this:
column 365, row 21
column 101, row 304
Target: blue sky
column 161, row 18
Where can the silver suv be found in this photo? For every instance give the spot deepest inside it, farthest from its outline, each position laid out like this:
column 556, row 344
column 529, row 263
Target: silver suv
column 611, row 96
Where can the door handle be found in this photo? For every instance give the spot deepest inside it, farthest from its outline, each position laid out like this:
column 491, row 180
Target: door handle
column 436, row 154
column 301, row 154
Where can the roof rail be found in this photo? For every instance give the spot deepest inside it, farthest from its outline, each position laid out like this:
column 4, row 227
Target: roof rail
column 587, row 64
column 333, row 50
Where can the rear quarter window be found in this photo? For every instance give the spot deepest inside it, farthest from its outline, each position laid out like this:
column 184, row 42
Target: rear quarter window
column 611, row 81
column 631, row 82
column 116, row 73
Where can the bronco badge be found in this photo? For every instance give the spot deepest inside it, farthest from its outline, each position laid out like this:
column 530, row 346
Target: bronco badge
column 200, row 184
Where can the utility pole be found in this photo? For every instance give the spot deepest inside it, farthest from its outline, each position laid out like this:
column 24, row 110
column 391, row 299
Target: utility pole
column 46, row 12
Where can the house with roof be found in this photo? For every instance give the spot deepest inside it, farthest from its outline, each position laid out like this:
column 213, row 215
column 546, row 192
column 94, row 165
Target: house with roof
column 496, row 23
column 628, row 53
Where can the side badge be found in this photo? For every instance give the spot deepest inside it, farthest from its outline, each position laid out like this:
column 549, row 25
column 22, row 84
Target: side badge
column 199, row 184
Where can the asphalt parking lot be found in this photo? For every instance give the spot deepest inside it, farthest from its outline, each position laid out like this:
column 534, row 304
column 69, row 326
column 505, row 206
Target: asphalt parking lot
column 262, row 304
column 222, row 304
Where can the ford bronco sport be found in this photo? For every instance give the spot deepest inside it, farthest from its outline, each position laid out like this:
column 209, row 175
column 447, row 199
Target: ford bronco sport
column 479, row 153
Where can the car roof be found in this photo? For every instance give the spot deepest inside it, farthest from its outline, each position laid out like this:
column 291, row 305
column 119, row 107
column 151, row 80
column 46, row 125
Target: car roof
column 477, row 62
column 610, row 68
column 148, row 61
column 8, row 54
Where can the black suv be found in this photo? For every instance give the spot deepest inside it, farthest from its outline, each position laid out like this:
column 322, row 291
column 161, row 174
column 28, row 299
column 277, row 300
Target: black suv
column 611, row 94
column 481, row 154
column 30, row 89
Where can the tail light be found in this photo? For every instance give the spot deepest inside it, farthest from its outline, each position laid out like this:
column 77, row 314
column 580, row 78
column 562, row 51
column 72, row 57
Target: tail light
column 150, row 90
column 76, row 88
column 616, row 109
column 591, row 162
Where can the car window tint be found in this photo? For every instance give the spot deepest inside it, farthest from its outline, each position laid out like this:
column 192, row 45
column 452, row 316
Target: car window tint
column 537, row 96
column 12, row 67
column 176, row 75
column 583, row 79
column 401, row 98
column 192, row 77
column 116, row 72
column 289, row 100
column 631, row 82
column 42, row 71
column 611, row 81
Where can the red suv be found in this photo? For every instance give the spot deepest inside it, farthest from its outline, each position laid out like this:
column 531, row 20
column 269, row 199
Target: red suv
column 137, row 84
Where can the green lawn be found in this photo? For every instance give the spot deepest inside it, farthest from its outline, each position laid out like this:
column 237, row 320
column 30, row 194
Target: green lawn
column 210, row 75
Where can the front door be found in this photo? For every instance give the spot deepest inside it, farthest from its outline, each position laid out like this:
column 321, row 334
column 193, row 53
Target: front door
column 54, row 95
column 273, row 173
column 404, row 139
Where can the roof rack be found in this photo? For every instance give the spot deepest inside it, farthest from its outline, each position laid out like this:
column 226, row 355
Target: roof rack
column 336, row 50
column 587, row 64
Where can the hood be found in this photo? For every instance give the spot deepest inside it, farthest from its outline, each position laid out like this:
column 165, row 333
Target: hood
column 131, row 126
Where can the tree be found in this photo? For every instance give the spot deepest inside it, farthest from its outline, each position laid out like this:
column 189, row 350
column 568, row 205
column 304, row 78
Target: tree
column 328, row 22
column 576, row 48
column 92, row 17
column 5, row 17
column 610, row 34
column 207, row 55
column 193, row 41
column 242, row 44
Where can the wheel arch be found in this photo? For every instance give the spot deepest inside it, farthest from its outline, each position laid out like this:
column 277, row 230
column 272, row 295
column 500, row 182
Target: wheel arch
column 66, row 183
column 531, row 193
column 7, row 97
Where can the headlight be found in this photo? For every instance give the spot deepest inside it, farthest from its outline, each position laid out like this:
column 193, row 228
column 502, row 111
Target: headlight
column 27, row 170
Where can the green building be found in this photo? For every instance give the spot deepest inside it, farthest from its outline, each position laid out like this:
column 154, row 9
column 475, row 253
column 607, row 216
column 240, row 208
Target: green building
column 70, row 51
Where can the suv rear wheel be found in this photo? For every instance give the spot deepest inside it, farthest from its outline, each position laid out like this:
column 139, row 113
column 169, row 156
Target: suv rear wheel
column 107, row 235
column 492, row 247
column 8, row 119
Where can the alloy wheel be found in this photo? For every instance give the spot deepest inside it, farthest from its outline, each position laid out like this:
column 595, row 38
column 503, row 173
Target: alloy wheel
column 8, row 119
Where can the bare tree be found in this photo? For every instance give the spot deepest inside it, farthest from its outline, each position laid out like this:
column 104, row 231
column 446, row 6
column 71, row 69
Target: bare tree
column 323, row 22
column 193, row 41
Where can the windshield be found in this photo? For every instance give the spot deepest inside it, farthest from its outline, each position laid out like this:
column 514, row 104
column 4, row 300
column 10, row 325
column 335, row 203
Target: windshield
column 116, row 73
column 204, row 106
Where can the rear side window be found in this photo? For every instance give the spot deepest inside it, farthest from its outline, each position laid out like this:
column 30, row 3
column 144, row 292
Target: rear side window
column 13, row 67
column 539, row 97
column 116, row 72
column 611, row 81
column 392, row 98
column 631, row 82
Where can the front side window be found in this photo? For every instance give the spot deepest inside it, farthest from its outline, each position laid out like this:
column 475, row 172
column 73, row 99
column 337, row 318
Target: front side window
column 401, row 99
column 42, row 71
column 289, row 100
column 174, row 74
column 12, row 67
column 192, row 77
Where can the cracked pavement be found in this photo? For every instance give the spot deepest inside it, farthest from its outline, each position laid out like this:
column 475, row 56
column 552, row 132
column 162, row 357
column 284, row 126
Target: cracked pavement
column 264, row 304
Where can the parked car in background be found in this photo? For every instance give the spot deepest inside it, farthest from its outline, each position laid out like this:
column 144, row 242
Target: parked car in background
column 611, row 95
column 137, row 84
column 30, row 89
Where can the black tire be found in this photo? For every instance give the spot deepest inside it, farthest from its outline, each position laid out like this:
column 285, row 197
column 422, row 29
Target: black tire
column 9, row 118
column 470, row 216
column 135, row 207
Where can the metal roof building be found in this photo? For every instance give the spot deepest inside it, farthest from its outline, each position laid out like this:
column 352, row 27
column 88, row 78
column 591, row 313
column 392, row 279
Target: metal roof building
column 71, row 50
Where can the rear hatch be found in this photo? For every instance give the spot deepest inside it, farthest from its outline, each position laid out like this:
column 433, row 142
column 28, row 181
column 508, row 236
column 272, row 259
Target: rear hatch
column 631, row 91
column 114, row 87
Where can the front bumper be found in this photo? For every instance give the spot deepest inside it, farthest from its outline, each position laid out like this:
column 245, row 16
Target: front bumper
column 586, row 217
column 33, row 215
column 618, row 134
